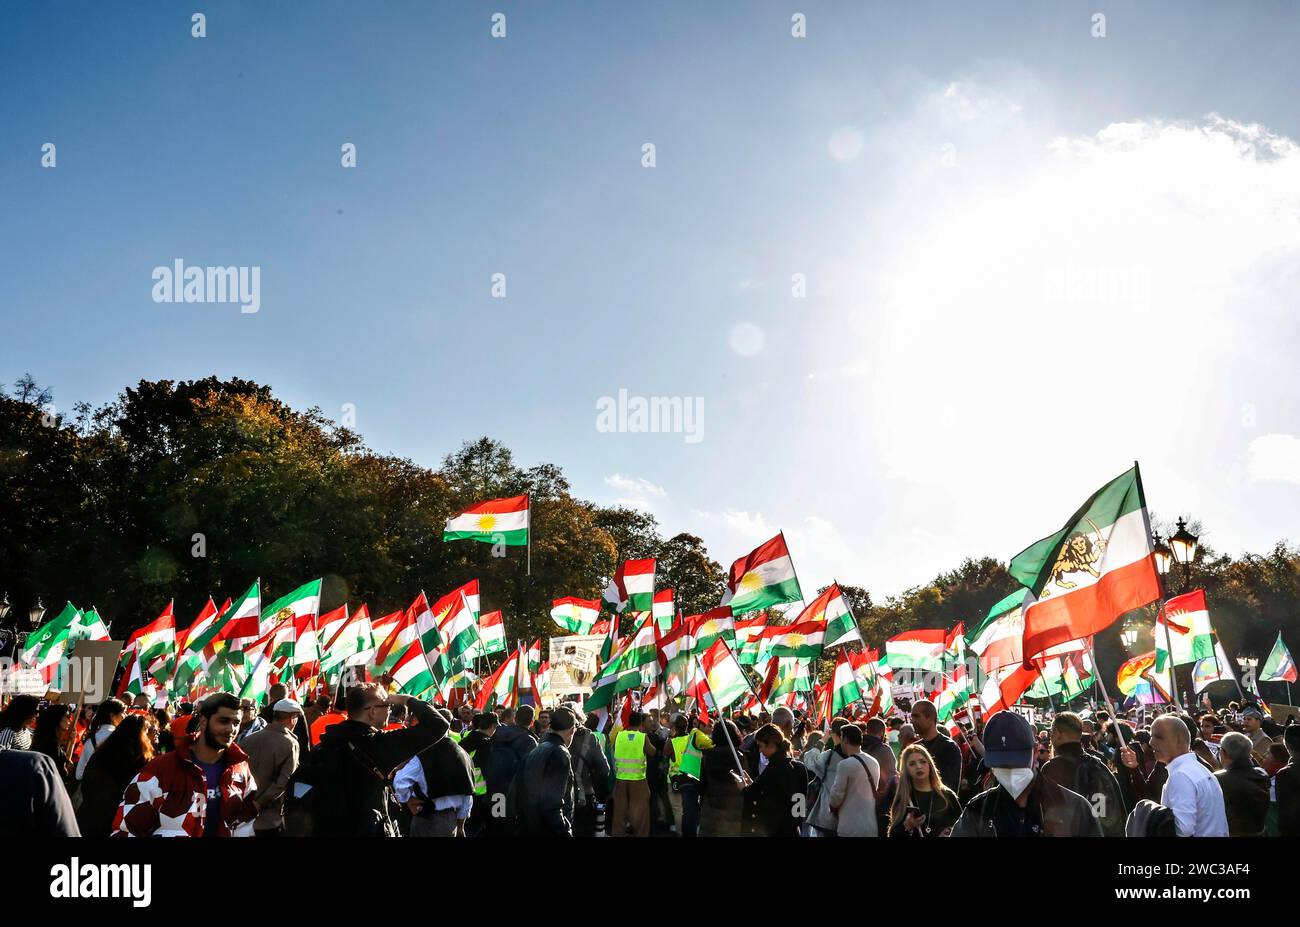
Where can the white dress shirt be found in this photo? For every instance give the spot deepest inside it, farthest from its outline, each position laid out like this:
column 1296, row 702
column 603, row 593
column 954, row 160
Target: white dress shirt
column 1196, row 799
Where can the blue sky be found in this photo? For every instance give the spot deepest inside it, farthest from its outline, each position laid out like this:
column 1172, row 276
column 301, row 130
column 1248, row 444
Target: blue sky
column 1032, row 256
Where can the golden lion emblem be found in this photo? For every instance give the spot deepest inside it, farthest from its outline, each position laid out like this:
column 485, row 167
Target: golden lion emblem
column 1079, row 554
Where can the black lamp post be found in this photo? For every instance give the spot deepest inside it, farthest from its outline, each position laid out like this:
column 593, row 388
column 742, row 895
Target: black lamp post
column 1184, row 546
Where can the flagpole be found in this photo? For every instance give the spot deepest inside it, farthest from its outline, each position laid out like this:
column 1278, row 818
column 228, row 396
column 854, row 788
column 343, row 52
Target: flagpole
column 1096, row 673
column 1169, row 643
column 802, row 600
column 528, row 538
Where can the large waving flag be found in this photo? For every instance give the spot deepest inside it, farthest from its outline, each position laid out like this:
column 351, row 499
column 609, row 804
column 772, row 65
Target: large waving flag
column 633, row 586
column 832, row 609
column 241, row 624
column 497, row 521
column 802, row 639
column 706, row 628
column 997, row 640
column 349, row 642
column 1279, row 667
column 749, row 635
column 1093, row 570
column 1212, row 669
column 491, row 636
column 1184, row 624
column 919, row 651
column 763, row 578
column 726, row 679
column 577, row 616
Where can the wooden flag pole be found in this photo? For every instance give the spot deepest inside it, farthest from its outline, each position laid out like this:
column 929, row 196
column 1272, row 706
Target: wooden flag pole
column 1096, row 670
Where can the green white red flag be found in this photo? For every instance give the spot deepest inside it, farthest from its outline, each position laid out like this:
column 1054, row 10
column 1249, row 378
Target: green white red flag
column 633, row 586
column 801, row 639
column 998, row 638
column 844, row 686
column 1279, row 667
column 1096, row 568
column 576, row 616
column 1184, row 625
column 725, row 677
column 832, row 608
column 663, row 609
column 153, row 647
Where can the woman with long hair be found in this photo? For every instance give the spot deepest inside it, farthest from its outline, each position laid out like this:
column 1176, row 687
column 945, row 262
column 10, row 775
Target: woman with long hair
column 54, row 726
column 775, row 804
column 721, row 805
column 110, row 771
column 16, row 722
column 923, row 805
column 108, row 716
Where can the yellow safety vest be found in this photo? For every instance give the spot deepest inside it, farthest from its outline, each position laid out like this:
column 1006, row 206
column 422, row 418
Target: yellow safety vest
column 480, row 784
column 629, row 755
column 687, row 759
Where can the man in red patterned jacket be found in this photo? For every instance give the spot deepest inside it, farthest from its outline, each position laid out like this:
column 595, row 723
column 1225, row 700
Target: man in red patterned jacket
column 200, row 789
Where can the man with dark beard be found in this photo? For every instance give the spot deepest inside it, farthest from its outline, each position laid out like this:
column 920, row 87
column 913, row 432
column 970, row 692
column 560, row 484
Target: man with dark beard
column 200, row 789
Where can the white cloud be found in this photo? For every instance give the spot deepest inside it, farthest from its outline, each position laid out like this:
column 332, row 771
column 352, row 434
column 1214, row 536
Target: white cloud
column 1275, row 459
column 637, row 492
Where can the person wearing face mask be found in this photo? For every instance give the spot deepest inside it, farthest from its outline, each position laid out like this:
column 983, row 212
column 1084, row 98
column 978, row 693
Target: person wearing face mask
column 1024, row 803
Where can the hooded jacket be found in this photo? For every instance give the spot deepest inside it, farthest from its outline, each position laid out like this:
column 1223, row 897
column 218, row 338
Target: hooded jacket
column 546, row 792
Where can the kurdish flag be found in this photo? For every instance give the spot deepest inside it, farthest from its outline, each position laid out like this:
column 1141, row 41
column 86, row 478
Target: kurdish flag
column 459, row 630
column 919, row 651
column 633, row 586
column 763, row 578
column 844, row 685
column 1094, row 569
column 708, row 627
column 749, row 635
column 725, row 677
column 499, row 688
column 349, row 641
column 577, row 616
column 1189, row 632
column 491, row 635
column 497, row 521
column 997, row 640
column 1279, row 667
column 662, row 609
column 791, row 676
column 832, row 609
column 412, row 673
column 802, row 639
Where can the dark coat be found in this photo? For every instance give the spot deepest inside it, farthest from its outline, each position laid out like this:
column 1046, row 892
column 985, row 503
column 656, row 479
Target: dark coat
column 1086, row 774
column 772, row 802
column 447, row 770
column 1287, row 781
column 1060, row 812
column 376, row 756
column 721, row 803
column 101, row 793
column 33, row 801
column 1246, row 797
column 947, row 758
column 545, row 791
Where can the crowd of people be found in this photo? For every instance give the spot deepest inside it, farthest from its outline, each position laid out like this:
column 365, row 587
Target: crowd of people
column 379, row 764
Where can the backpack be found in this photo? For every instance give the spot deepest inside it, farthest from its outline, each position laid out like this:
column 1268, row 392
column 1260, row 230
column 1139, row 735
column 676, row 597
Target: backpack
column 1150, row 819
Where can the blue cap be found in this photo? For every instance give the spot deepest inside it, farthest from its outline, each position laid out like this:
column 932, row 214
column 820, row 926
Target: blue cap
column 1008, row 740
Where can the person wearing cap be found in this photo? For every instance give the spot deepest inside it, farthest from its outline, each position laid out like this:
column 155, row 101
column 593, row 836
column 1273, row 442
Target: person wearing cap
column 437, row 787
column 273, row 756
column 1024, row 803
column 1252, row 724
column 546, row 783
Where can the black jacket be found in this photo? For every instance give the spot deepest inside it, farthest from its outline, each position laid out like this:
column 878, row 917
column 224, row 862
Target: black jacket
column 101, row 793
column 1052, row 811
column 1245, row 798
column 545, row 790
column 772, row 802
column 947, row 758
column 1287, row 781
column 33, row 801
column 371, row 757
column 590, row 767
column 1086, row 774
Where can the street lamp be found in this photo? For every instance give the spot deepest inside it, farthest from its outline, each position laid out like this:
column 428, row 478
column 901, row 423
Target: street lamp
column 1184, row 548
column 5, row 608
column 37, row 612
column 1164, row 556
column 1129, row 636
